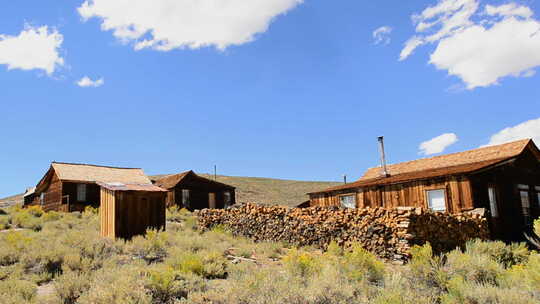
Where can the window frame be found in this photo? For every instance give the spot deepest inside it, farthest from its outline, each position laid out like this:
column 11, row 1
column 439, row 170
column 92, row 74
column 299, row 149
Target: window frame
column 227, row 198
column 342, row 196
column 82, row 192
column 493, row 201
column 186, row 196
column 427, row 191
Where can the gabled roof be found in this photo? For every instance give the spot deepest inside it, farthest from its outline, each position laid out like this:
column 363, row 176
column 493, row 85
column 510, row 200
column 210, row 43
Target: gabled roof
column 131, row 187
column 95, row 173
column 449, row 164
column 170, row 181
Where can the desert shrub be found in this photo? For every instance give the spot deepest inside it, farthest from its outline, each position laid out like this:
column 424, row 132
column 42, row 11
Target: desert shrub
column 34, row 211
column 334, row 249
column 42, row 263
column 506, row 255
column 426, row 268
column 14, row 243
column 360, row 264
column 89, row 210
column 525, row 276
column 214, row 266
column 24, row 219
column 475, row 268
column 4, row 222
column 151, row 247
column 187, row 262
column 116, row 285
column 51, row 216
column 17, row 289
column 166, row 286
column 70, row 286
column 537, row 227
column 461, row 290
column 301, row 264
column 77, row 263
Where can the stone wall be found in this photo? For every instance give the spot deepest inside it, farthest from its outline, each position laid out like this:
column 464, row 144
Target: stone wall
column 389, row 233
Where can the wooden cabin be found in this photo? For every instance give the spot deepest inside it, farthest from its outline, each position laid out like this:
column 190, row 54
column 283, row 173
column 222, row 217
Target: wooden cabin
column 71, row 187
column 28, row 196
column 193, row 192
column 127, row 210
column 502, row 179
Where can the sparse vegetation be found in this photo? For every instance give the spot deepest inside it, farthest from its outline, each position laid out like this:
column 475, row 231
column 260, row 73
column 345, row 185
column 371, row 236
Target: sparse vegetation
column 184, row 265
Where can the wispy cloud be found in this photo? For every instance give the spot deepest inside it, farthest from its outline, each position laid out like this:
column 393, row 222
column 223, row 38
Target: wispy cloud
column 382, row 35
column 87, row 82
column 35, row 48
column 438, row 144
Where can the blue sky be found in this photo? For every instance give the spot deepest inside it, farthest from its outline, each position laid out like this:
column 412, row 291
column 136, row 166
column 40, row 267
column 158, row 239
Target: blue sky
column 284, row 89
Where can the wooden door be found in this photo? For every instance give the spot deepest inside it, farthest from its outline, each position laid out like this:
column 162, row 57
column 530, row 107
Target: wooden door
column 212, row 200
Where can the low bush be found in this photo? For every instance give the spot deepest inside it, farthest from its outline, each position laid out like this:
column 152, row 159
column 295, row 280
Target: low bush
column 506, row 255
column 70, row 286
column 13, row 290
column 480, row 269
column 361, row 264
column 301, row 263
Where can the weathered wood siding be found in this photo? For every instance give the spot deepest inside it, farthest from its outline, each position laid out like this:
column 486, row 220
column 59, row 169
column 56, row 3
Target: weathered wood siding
column 53, row 194
column 413, row 194
column 126, row 214
column 107, row 213
column 201, row 193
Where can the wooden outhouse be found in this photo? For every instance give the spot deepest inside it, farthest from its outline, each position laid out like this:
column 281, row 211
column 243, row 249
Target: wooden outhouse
column 193, row 192
column 502, row 179
column 127, row 210
column 72, row 187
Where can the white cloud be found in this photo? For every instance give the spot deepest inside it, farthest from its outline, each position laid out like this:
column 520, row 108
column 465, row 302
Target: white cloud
column 528, row 129
column 438, row 144
column 34, row 48
column 170, row 24
column 479, row 47
column 87, row 82
column 382, row 35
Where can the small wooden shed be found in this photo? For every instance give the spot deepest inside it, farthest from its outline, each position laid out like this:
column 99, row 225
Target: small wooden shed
column 127, row 210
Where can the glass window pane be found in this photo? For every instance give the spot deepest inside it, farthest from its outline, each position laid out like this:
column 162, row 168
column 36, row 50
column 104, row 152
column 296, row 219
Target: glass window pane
column 81, row 192
column 523, row 187
column 525, row 205
column 348, row 201
column 436, row 200
column 185, row 197
column 493, row 202
column 537, row 188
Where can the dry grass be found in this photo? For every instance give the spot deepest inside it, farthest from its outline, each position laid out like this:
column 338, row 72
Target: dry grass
column 184, row 265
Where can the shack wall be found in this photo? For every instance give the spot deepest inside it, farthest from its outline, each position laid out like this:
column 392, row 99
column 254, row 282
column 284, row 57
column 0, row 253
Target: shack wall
column 458, row 190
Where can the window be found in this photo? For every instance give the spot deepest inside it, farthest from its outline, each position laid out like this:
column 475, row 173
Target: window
column 525, row 205
column 81, row 192
column 537, row 188
column 436, row 199
column 226, row 199
column 523, row 187
column 185, row 198
column 348, row 201
column 493, row 202
column 42, row 198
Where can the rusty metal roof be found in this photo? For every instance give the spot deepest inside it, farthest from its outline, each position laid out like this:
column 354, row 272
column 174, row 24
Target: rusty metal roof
column 131, row 187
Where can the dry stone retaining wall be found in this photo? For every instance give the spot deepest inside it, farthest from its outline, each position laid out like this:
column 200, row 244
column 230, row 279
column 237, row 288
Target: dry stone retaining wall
column 389, row 233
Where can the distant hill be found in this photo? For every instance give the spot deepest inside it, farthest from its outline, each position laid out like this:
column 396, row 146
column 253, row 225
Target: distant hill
column 12, row 200
column 260, row 190
column 269, row 191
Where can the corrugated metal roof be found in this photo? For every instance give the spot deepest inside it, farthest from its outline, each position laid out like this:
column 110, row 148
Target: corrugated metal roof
column 116, row 186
